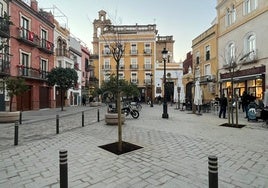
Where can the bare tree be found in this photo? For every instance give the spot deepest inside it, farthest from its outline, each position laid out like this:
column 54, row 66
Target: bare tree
column 231, row 60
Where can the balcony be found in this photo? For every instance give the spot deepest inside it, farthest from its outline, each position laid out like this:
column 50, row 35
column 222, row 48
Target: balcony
column 121, row 67
column 148, row 52
column 147, row 66
column 106, row 52
column 28, row 37
column 250, row 57
column 134, row 67
column 4, row 28
column 106, row 67
column 147, row 81
column 4, row 67
column 33, row 73
column 134, row 81
column 133, row 52
column 62, row 52
column 46, row 46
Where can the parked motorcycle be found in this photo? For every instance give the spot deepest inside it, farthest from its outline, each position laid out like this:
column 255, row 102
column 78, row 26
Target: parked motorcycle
column 128, row 109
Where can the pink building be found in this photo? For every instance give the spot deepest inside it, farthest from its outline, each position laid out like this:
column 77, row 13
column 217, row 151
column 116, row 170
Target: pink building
column 31, row 46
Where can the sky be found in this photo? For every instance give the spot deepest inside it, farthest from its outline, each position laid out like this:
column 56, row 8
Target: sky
column 183, row 19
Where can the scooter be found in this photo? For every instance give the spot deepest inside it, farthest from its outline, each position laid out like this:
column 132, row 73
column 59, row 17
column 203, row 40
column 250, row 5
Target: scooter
column 129, row 110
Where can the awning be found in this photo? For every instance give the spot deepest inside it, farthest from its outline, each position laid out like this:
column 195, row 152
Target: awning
column 242, row 78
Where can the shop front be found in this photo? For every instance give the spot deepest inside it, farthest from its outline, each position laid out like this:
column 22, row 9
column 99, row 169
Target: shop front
column 249, row 80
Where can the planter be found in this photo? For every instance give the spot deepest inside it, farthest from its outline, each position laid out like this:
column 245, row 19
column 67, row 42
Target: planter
column 112, row 118
column 9, row 117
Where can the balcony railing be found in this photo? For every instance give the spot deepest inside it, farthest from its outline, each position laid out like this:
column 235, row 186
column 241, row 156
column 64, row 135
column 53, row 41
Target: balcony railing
column 4, row 28
column 134, row 66
column 4, row 67
column 147, row 51
column 46, row 46
column 134, row 81
column 28, row 37
column 133, row 52
column 148, row 66
column 106, row 67
column 31, row 72
column 147, row 81
column 62, row 52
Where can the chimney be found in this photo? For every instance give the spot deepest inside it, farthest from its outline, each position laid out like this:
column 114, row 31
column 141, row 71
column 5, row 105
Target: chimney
column 34, row 5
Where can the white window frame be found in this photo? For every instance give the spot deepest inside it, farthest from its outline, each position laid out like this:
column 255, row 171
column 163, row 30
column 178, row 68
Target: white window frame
column 207, row 69
column 106, row 64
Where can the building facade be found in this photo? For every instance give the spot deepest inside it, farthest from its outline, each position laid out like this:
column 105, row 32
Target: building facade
column 31, row 47
column 137, row 63
column 242, row 49
column 4, row 50
column 205, row 64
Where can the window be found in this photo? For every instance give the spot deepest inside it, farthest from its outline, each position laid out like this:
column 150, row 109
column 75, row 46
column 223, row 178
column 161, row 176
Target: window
column 121, row 63
column 133, row 49
column 134, row 63
column 147, row 64
column 250, row 47
column 43, row 68
column 43, row 38
column 106, row 64
column 121, row 75
column 107, row 49
column 134, row 77
column 25, row 27
column 249, row 6
column 230, row 53
column 59, row 63
column 207, row 69
column 25, row 62
column 147, row 48
column 147, row 78
column 197, row 57
column 230, row 15
column 207, row 53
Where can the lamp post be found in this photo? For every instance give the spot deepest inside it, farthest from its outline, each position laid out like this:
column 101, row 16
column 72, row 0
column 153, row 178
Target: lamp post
column 152, row 104
column 165, row 114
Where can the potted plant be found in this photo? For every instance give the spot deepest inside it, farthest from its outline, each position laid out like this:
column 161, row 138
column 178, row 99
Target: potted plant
column 15, row 87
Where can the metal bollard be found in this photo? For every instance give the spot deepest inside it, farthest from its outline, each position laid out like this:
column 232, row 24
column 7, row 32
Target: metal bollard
column 16, row 133
column 83, row 118
column 20, row 117
column 63, row 169
column 213, row 171
column 57, row 124
column 98, row 115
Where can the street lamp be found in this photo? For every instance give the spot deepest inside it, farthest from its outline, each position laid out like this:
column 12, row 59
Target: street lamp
column 165, row 114
column 152, row 104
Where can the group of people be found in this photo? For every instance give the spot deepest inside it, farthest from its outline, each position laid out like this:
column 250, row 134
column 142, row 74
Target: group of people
column 246, row 99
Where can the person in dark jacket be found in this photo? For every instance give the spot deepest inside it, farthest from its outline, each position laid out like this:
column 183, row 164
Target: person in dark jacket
column 223, row 105
column 245, row 102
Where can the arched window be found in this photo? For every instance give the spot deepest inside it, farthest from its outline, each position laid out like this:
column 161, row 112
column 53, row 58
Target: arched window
column 230, row 53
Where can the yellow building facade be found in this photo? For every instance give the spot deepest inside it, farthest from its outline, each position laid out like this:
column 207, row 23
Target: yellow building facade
column 205, row 64
column 138, row 60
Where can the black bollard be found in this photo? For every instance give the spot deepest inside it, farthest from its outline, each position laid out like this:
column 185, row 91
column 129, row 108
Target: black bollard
column 213, row 171
column 57, row 124
column 98, row 115
column 20, row 117
column 83, row 118
column 16, row 133
column 63, row 169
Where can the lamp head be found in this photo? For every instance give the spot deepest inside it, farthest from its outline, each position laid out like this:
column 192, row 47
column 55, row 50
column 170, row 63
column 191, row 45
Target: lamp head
column 164, row 53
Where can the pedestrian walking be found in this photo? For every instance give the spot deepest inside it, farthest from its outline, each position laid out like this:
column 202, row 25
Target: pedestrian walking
column 223, row 105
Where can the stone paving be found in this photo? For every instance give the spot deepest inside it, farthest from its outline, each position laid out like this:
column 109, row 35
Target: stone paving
column 174, row 154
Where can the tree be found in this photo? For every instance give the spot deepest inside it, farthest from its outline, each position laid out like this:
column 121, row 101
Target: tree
column 15, row 87
column 127, row 89
column 64, row 78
